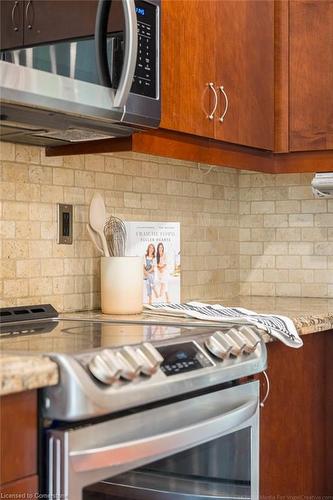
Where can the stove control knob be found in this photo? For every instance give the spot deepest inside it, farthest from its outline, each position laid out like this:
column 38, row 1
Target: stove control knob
column 251, row 338
column 130, row 363
column 150, row 357
column 238, row 339
column 101, row 369
column 219, row 346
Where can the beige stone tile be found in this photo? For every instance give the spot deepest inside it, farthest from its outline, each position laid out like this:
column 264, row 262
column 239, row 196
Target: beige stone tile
column 73, row 302
column 314, row 234
column 74, row 267
column 27, row 230
column 40, row 174
column 27, row 154
column 7, row 151
column 288, row 262
column 251, row 275
column 52, row 267
column 123, row 182
column 27, row 192
column 288, row 234
column 63, row 176
column 251, row 248
column 323, row 276
column 28, row 268
column 264, row 289
column 15, row 288
column 314, row 290
column 263, row 234
column 287, row 206
column 275, row 276
column 323, row 248
column 7, row 269
column 7, row 190
column 141, row 185
column 7, row 229
column 40, row 249
column 301, row 220
column 74, row 195
column 262, row 207
column 300, row 248
column 276, row 248
column 63, row 285
column 84, row 179
column 15, row 172
column 76, row 162
column 263, row 261
column 52, row 194
column 15, row 210
column 288, row 290
column 115, row 165
column 314, row 262
column 287, row 179
column 300, row 193
column 276, row 220
column 260, row 179
column 94, row 162
column 252, row 194
column 324, row 220
column 15, row 249
column 301, row 276
column 40, row 286
column 251, row 221
column 41, row 211
column 275, row 193
column 314, row 206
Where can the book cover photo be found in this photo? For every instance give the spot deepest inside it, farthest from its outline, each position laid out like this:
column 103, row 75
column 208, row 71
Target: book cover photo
column 159, row 245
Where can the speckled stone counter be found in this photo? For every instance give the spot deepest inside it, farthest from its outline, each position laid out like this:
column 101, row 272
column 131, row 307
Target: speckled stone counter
column 309, row 315
column 23, row 372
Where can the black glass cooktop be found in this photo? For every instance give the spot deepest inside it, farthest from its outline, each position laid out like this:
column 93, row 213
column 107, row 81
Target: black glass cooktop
column 70, row 336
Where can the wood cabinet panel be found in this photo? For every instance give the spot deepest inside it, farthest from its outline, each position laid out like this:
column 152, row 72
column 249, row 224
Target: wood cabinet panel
column 311, row 75
column 18, row 436
column 294, row 421
column 11, row 23
column 24, row 487
column 244, row 55
column 188, row 66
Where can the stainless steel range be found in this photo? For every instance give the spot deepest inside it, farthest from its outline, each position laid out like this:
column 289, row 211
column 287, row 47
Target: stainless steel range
column 146, row 410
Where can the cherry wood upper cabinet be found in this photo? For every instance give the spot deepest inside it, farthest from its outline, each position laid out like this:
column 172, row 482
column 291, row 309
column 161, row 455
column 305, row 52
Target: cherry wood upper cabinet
column 188, row 66
column 11, row 23
column 311, row 75
column 230, row 45
column 244, row 62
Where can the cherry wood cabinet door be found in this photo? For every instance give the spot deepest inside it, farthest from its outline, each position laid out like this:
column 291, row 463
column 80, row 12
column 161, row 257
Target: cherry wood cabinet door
column 188, row 66
column 49, row 20
column 244, row 60
column 11, row 23
column 311, row 75
column 18, row 436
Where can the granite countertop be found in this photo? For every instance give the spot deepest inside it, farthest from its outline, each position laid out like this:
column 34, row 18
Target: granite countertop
column 22, row 372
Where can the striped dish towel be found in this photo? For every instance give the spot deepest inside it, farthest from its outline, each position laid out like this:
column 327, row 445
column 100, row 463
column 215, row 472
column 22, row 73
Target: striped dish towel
column 279, row 327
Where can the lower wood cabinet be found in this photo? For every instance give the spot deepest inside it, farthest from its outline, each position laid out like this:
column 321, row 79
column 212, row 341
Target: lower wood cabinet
column 296, row 448
column 18, row 450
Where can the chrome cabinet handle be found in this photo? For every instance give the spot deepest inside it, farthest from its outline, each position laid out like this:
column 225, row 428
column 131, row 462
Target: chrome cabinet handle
column 211, row 86
column 131, row 48
column 15, row 27
column 226, row 103
column 29, row 8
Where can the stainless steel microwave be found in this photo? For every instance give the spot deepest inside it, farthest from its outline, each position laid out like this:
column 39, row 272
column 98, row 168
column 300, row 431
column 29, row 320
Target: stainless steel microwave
column 91, row 72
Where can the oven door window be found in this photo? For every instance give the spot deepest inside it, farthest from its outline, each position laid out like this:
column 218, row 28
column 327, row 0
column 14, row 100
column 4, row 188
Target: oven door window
column 218, row 469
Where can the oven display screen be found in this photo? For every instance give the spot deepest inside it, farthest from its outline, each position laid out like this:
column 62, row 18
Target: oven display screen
column 181, row 358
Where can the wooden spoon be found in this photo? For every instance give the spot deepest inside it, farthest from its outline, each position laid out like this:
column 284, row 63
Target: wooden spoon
column 97, row 216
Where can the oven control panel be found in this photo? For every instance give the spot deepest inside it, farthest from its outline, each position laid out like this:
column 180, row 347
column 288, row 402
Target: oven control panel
column 185, row 357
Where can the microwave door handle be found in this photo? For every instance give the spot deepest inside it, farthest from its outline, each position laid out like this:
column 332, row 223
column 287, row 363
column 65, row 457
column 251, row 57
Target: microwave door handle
column 130, row 53
column 129, row 454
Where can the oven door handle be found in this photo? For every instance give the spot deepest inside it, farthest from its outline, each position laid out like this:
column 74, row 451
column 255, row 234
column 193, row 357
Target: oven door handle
column 130, row 51
column 129, row 453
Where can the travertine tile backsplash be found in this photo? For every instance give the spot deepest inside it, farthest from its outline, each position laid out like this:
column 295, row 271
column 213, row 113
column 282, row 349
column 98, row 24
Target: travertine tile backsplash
column 35, row 269
column 257, row 234
column 286, row 237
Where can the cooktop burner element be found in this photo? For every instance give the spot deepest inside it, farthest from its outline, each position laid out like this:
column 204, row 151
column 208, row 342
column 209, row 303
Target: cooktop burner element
column 107, row 367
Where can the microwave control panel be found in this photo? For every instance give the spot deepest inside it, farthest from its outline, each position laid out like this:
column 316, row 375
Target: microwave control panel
column 145, row 81
column 184, row 357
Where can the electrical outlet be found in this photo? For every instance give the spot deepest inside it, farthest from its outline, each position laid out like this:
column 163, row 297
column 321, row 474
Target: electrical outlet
column 65, row 224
